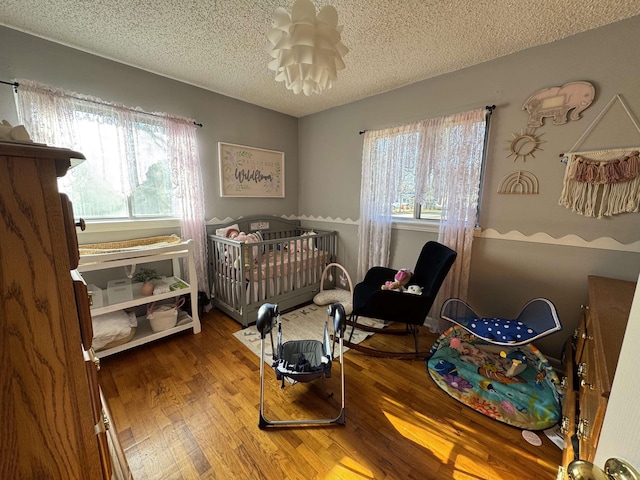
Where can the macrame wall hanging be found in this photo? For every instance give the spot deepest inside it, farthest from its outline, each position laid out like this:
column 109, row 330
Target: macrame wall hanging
column 602, row 183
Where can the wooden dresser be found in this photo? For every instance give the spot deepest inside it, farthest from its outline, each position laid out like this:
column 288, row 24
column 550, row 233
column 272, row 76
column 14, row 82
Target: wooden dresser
column 592, row 356
column 53, row 421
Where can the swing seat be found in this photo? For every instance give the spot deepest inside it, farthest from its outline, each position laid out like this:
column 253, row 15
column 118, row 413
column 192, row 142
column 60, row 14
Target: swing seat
column 302, row 361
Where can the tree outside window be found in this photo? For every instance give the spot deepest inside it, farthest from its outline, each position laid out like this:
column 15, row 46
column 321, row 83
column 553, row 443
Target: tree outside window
column 126, row 174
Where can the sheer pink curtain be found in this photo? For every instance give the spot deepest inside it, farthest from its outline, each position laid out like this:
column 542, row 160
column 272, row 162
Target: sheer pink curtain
column 384, row 156
column 452, row 148
column 448, row 154
column 48, row 114
column 185, row 173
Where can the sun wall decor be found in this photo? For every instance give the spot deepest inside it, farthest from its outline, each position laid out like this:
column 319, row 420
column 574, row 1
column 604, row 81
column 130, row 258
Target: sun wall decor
column 524, row 144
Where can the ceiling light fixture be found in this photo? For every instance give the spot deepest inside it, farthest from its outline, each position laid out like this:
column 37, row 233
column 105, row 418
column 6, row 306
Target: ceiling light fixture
column 307, row 50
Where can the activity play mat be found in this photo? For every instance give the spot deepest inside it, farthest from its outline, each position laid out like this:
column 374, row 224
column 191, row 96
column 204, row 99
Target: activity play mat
column 514, row 385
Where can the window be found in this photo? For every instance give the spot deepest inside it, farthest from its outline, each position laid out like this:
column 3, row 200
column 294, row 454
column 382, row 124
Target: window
column 139, row 165
column 127, row 173
column 405, row 204
column 428, row 169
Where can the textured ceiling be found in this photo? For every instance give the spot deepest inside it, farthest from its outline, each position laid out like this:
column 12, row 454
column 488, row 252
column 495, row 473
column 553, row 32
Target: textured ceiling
column 220, row 45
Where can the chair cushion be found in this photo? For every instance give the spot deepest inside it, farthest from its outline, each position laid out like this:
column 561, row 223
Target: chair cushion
column 537, row 319
column 501, row 329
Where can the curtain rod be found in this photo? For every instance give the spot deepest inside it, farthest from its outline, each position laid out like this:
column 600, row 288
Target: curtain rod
column 489, row 108
column 16, row 85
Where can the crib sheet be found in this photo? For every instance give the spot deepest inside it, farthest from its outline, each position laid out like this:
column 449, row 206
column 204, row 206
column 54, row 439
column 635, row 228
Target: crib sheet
column 276, row 264
column 475, row 374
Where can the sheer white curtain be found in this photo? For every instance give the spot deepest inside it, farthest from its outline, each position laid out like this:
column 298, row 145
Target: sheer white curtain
column 452, row 148
column 446, row 153
column 49, row 115
column 385, row 154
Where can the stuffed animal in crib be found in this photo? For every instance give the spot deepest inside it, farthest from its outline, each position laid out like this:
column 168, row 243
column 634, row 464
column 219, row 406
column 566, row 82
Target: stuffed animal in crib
column 246, row 238
column 400, row 279
column 414, row 289
column 303, row 244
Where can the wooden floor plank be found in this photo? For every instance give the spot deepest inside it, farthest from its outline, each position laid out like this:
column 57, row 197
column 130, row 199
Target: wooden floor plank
column 187, row 407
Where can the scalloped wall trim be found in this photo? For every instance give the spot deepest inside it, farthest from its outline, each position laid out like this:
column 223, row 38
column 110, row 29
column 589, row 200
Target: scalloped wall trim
column 311, row 218
column 603, row 243
column 216, row 221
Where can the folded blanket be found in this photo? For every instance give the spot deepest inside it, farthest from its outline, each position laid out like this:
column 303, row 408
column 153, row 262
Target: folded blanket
column 111, row 327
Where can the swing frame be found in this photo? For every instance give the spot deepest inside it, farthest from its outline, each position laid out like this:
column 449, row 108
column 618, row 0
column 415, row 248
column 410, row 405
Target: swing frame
column 269, row 314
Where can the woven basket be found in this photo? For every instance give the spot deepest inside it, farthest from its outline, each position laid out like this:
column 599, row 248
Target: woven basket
column 117, row 343
column 165, row 316
column 136, row 243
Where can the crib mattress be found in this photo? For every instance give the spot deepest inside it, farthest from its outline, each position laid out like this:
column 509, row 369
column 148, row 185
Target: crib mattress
column 475, row 374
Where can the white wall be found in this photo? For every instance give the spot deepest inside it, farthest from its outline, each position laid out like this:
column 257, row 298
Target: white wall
column 620, row 434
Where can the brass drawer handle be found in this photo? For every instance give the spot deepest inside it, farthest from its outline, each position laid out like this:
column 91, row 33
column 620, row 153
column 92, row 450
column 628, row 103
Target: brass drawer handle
column 582, row 369
column 105, row 420
column 587, row 337
column 564, row 425
column 90, row 295
column 584, row 384
column 94, row 359
column 583, row 426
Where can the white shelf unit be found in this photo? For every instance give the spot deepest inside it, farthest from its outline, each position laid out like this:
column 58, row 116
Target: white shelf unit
column 131, row 259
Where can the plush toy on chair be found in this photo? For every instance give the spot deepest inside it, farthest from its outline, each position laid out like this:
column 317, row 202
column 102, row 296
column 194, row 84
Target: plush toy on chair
column 400, row 279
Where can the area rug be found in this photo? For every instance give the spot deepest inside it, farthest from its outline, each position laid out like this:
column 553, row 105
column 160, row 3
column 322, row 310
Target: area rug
column 306, row 323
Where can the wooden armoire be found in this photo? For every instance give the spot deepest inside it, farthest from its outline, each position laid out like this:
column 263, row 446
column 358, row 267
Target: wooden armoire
column 53, row 422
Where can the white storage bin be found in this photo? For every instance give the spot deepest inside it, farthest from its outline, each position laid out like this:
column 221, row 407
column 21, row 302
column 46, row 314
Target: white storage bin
column 119, row 291
column 95, row 294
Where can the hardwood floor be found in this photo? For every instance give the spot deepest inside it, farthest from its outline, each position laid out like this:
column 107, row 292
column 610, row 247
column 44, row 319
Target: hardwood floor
column 187, row 407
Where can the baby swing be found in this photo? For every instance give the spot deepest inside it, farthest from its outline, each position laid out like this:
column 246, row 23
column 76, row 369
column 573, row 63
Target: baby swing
column 301, row 360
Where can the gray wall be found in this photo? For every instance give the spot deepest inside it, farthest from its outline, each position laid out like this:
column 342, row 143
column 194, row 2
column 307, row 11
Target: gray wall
column 323, row 156
column 223, row 118
column 506, row 271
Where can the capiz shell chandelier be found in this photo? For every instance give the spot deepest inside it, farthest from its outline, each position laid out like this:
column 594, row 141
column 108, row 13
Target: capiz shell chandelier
column 307, row 50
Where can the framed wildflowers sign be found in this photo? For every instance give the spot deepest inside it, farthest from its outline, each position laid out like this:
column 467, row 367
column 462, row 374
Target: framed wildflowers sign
column 250, row 172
